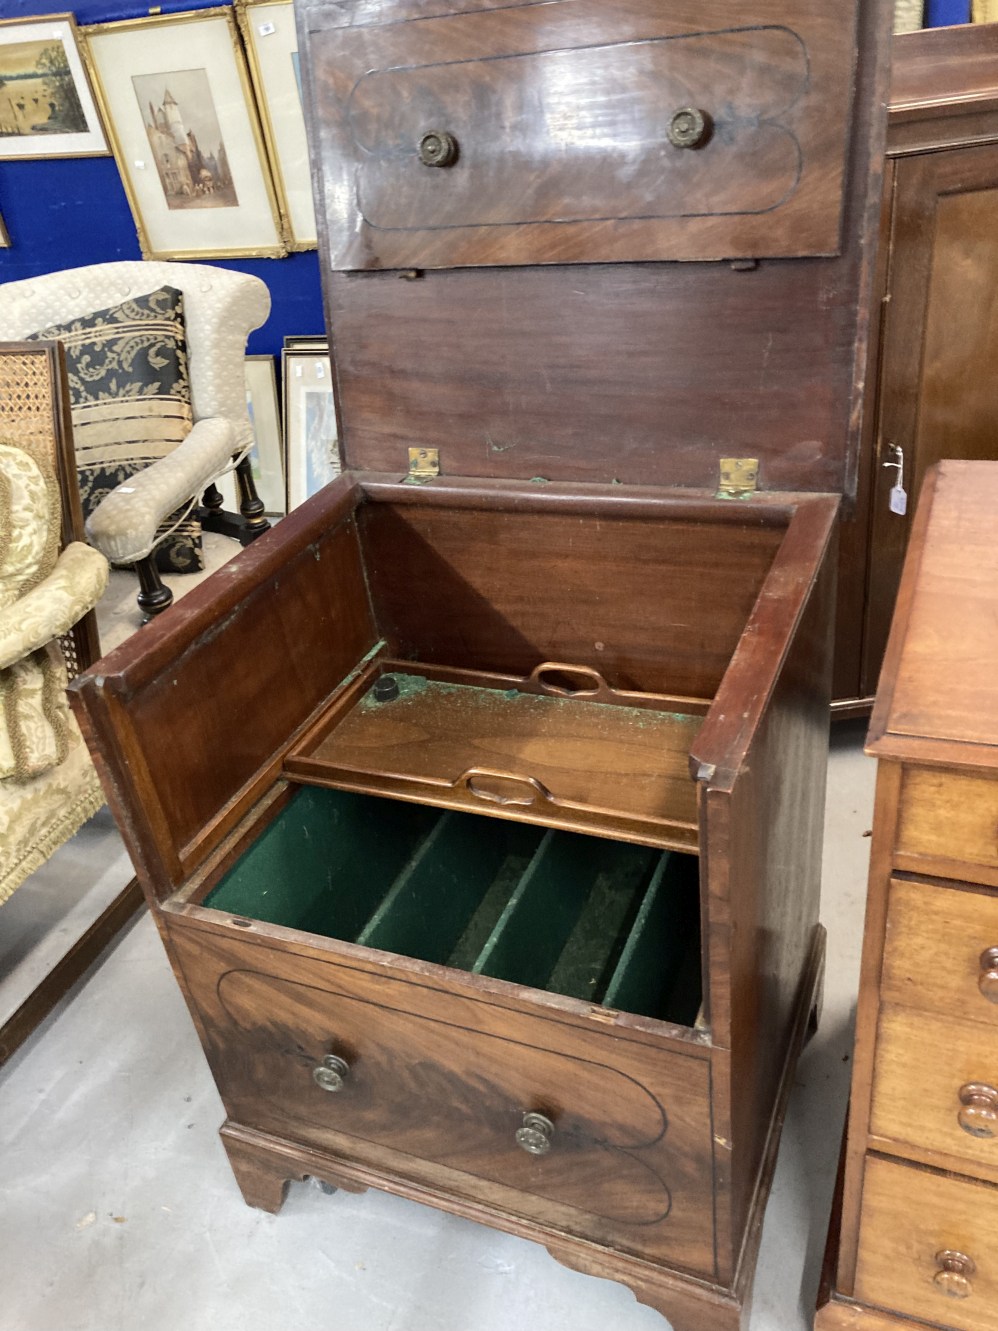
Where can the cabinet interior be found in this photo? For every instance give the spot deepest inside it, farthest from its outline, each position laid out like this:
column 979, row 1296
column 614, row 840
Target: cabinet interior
column 604, row 921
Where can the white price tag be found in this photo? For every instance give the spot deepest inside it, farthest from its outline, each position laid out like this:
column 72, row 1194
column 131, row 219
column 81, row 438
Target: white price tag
column 267, row 29
column 899, row 500
column 140, row 166
column 297, row 371
column 320, row 370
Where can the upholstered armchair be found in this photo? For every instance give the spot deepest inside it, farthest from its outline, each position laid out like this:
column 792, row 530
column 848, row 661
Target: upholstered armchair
column 48, row 583
column 158, row 400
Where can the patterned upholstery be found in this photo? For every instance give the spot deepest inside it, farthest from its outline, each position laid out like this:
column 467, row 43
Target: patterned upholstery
column 48, row 785
column 221, row 308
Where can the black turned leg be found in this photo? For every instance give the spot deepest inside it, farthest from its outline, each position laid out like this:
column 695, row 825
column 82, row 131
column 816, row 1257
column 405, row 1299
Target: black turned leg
column 244, row 526
column 154, row 596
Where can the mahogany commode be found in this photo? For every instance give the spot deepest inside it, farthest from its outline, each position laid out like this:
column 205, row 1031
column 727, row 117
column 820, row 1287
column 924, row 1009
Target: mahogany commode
column 480, row 804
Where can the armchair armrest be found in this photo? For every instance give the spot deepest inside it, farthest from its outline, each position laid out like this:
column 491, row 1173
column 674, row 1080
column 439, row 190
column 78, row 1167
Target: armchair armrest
column 51, row 608
column 123, row 525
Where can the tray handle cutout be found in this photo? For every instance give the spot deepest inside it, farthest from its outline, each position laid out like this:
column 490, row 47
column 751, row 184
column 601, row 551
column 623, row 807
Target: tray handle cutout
column 563, row 680
column 503, row 787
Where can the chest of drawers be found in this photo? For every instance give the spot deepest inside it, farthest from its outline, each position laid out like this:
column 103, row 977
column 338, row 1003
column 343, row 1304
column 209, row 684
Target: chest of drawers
column 480, row 807
column 919, row 1226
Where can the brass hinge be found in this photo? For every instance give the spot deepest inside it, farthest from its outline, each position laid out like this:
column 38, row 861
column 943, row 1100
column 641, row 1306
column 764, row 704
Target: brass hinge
column 424, row 464
column 739, row 478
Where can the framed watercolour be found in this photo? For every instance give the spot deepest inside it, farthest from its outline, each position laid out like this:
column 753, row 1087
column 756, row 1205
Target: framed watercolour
column 272, row 46
column 309, row 424
column 175, row 94
column 46, row 105
column 267, row 453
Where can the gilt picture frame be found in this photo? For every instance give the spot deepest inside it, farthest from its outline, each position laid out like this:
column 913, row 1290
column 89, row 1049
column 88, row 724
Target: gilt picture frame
column 271, row 40
column 176, row 98
column 310, row 426
column 47, row 106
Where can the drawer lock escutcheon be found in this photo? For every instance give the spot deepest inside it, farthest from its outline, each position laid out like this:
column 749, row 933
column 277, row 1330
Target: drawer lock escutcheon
column 331, row 1073
column 954, row 1274
column 535, row 1135
column 979, row 1109
column 987, row 981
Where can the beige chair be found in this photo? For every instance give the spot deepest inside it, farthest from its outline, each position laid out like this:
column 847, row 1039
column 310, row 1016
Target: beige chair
column 220, row 309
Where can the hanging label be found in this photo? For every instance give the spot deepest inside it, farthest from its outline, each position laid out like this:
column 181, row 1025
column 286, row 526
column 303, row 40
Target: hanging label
column 899, row 500
column 266, row 29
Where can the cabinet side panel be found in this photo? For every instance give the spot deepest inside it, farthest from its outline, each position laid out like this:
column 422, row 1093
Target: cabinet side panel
column 207, row 704
column 762, row 834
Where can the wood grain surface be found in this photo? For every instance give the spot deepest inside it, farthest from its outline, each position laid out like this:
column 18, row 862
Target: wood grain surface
column 910, row 1215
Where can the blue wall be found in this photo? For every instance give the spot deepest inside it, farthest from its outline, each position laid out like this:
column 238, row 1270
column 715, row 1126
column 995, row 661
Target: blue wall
column 64, row 213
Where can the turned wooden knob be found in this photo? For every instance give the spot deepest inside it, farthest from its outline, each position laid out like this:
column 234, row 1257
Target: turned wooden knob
column 978, row 1109
column 987, row 981
column 953, row 1276
column 689, row 127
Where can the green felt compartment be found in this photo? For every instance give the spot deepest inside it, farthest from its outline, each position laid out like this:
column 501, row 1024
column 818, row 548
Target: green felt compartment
column 324, row 862
column 430, row 904
column 658, row 972
column 591, row 918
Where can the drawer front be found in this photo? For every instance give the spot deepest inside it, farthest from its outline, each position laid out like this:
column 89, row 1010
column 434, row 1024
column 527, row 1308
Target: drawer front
column 936, row 1086
column 569, row 136
column 948, row 824
column 928, row 1246
column 443, row 1081
column 941, row 951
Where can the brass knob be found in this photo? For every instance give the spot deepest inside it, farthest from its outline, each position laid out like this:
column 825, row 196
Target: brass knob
column 979, row 1109
column 331, row 1073
column 438, row 148
column 953, row 1276
column 535, row 1135
column 987, row 981
column 689, row 128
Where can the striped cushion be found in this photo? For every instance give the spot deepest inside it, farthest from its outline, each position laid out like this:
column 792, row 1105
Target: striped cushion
column 131, row 402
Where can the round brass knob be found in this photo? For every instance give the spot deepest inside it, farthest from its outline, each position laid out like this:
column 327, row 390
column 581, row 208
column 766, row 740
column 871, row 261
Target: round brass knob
column 978, row 1109
column 331, row 1073
column 535, row 1135
column 953, row 1276
column 438, row 148
column 987, row 981
column 689, row 128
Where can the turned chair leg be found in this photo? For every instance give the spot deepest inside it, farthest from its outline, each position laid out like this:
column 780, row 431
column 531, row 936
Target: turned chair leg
column 250, row 503
column 154, row 596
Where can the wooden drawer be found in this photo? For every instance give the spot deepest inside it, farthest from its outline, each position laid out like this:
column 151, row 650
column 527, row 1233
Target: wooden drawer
column 909, row 1218
column 936, row 1085
column 439, row 1083
column 938, row 951
column 948, row 825
column 570, row 137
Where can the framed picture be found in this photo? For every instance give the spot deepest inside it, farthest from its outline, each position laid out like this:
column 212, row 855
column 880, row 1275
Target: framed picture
column 309, row 424
column 267, row 454
column 46, row 104
column 175, row 94
column 272, row 46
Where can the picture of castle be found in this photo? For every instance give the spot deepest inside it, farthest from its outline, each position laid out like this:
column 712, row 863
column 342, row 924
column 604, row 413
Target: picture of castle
column 185, row 139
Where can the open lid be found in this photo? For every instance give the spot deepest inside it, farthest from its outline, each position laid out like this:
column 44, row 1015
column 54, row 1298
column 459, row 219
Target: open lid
column 639, row 238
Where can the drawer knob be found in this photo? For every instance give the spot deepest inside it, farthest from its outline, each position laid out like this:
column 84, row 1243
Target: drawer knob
column 689, row 128
column 953, row 1276
column 331, row 1073
column 979, row 1109
column 535, row 1135
column 438, row 148
column 987, row 981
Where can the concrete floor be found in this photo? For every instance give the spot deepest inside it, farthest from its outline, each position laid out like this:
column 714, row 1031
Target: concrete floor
column 118, row 1210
